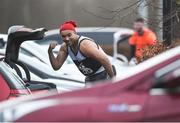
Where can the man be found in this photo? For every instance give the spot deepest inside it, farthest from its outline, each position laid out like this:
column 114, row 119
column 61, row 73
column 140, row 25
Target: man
column 141, row 38
column 88, row 56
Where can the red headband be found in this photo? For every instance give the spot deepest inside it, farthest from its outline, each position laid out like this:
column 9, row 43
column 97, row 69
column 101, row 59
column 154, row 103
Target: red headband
column 68, row 25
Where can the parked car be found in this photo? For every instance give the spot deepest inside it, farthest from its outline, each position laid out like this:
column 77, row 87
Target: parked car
column 102, row 35
column 105, row 36
column 35, row 61
column 29, row 59
column 149, row 92
column 16, row 36
column 32, row 49
column 11, row 86
column 47, row 74
column 62, row 83
column 68, row 70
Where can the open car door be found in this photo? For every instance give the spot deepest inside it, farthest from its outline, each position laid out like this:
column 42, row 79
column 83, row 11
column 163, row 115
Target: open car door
column 16, row 36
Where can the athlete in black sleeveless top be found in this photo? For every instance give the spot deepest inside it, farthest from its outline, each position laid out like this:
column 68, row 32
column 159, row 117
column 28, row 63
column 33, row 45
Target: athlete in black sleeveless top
column 88, row 56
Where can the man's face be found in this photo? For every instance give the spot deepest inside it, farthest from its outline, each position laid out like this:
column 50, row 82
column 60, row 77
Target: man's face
column 138, row 26
column 68, row 36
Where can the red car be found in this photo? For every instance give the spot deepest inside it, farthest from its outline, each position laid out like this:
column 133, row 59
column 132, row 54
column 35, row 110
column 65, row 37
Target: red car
column 11, row 86
column 149, row 92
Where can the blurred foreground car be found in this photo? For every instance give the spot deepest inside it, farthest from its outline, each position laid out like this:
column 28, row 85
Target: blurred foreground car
column 149, row 92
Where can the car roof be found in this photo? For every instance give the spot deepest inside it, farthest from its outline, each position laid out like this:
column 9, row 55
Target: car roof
column 91, row 29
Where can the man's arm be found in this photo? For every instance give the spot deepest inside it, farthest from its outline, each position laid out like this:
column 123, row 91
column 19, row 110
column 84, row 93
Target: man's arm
column 132, row 43
column 90, row 49
column 132, row 51
column 61, row 57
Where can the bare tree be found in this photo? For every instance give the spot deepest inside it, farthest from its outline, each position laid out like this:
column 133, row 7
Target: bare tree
column 154, row 18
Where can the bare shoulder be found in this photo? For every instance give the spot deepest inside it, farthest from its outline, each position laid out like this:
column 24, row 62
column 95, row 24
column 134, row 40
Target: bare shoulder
column 88, row 44
column 90, row 48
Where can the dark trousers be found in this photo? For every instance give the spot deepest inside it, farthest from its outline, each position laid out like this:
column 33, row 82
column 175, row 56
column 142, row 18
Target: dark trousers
column 97, row 77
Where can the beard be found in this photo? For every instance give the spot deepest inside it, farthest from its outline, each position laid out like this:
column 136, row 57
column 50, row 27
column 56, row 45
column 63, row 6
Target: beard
column 140, row 32
column 68, row 43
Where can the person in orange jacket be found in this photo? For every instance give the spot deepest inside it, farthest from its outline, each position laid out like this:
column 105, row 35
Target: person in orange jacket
column 141, row 38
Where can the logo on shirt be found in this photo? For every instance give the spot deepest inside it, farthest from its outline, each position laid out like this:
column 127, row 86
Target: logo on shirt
column 85, row 70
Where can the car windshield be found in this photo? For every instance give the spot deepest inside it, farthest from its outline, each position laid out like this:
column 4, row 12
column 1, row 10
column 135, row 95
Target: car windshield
column 15, row 81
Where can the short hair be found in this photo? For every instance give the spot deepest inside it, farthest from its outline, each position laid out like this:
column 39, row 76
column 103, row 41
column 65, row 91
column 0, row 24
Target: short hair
column 140, row 20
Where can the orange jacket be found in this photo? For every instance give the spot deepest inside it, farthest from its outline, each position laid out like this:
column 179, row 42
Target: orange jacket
column 148, row 38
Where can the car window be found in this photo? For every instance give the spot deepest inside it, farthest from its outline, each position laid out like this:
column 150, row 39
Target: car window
column 123, row 46
column 15, row 82
column 168, row 76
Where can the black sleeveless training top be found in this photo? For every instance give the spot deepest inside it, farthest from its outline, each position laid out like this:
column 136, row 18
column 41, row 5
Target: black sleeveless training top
column 86, row 65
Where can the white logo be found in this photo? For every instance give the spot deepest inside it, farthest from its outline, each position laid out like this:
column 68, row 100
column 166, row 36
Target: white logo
column 124, row 108
column 85, row 70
